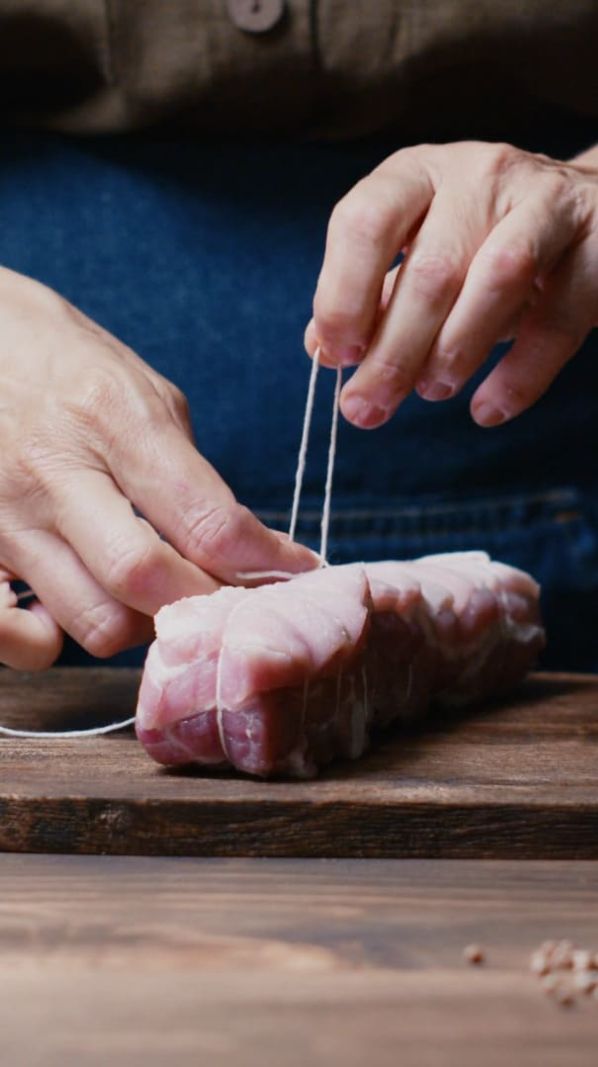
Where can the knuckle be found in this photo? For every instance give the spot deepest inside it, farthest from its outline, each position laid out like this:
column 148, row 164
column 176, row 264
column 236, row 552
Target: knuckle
column 33, row 468
column 559, row 185
column 32, row 296
column 179, row 400
column 181, row 409
column 170, row 394
column 332, row 319
column 134, row 569
column 101, row 629
column 569, row 197
column 95, row 400
column 32, row 454
column 215, row 530
column 495, row 160
column 360, row 216
column 410, row 154
column 435, row 277
column 512, row 266
column 394, row 378
column 111, row 401
column 448, row 360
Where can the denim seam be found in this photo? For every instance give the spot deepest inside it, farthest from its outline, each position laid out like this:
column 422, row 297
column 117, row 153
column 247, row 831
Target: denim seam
column 555, row 497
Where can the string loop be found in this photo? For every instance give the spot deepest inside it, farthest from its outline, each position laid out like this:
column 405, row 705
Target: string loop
column 325, row 524
column 302, row 457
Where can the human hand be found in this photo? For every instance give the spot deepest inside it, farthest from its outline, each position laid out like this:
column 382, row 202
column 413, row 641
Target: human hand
column 498, row 243
column 87, row 431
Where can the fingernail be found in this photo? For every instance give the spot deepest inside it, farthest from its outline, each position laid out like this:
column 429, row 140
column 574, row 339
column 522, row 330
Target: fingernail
column 435, row 390
column 344, row 355
column 363, row 414
column 487, row 415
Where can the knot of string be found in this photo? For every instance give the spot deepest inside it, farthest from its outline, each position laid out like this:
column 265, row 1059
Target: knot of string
column 302, row 457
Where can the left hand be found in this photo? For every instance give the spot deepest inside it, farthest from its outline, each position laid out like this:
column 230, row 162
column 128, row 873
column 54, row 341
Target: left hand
column 30, row 639
column 498, row 243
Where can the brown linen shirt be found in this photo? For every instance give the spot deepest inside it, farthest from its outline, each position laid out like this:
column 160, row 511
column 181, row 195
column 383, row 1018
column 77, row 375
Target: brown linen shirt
column 309, row 67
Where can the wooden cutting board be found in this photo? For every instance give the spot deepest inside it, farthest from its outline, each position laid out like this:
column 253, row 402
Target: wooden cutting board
column 519, row 779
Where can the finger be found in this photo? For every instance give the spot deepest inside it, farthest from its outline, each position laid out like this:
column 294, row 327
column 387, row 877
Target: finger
column 124, row 554
column 311, row 343
column 501, row 281
column 426, row 288
column 548, row 338
column 8, row 597
column 97, row 621
column 187, row 501
column 310, row 338
column 367, row 229
column 388, row 288
column 175, row 400
column 30, row 639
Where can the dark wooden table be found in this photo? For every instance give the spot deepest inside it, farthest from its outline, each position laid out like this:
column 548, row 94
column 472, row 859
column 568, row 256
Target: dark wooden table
column 158, row 956
column 153, row 962
column 519, row 779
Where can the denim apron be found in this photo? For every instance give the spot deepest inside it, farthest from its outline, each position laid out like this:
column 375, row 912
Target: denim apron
column 203, row 258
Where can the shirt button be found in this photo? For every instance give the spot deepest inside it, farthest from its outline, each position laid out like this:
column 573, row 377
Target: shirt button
column 256, row 16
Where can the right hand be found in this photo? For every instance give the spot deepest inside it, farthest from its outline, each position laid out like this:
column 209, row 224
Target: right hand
column 87, row 432
column 499, row 244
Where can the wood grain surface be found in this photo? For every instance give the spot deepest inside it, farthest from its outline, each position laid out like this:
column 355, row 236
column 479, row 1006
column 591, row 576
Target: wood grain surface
column 516, row 780
column 147, row 962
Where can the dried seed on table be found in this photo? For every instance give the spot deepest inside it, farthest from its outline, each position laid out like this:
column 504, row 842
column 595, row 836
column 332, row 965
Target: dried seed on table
column 548, row 947
column 474, row 954
column 582, row 959
column 584, row 981
column 565, row 997
column 550, row 984
column 562, row 957
column 539, row 963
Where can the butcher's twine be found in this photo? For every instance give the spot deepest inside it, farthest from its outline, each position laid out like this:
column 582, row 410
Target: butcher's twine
column 302, row 457
column 94, row 731
column 97, row 731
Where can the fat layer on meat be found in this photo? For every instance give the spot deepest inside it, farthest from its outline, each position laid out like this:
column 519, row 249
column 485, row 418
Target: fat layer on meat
column 283, row 678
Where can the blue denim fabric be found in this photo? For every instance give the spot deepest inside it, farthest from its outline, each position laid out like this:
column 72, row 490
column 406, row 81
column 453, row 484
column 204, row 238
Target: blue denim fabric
column 203, row 257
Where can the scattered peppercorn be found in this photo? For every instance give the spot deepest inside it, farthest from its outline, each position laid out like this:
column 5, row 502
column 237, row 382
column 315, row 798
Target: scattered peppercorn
column 565, row 997
column 584, row 981
column 474, row 954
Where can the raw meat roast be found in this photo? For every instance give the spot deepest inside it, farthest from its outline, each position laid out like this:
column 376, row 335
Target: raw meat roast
column 281, row 679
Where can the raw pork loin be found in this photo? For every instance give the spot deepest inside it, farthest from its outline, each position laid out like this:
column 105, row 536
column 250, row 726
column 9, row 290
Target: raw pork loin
column 281, row 679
